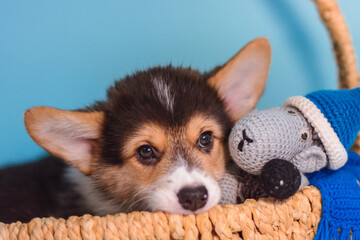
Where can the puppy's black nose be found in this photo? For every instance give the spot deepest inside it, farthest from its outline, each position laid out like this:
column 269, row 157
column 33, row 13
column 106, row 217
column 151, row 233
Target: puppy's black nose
column 193, row 198
column 281, row 178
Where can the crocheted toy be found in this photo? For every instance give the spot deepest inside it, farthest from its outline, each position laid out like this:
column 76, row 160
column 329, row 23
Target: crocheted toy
column 280, row 145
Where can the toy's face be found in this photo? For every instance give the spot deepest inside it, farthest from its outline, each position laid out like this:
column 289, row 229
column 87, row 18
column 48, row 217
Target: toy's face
column 261, row 136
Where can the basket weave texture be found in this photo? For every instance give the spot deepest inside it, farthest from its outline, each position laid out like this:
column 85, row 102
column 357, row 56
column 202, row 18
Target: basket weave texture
column 294, row 218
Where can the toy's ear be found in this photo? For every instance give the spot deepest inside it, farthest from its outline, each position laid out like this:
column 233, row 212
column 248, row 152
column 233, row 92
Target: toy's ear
column 241, row 81
column 70, row 135
column 310, row 160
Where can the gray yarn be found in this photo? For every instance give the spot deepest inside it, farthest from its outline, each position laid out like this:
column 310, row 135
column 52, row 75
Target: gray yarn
column 276, row 133
column 229, row 189
column 272, row 133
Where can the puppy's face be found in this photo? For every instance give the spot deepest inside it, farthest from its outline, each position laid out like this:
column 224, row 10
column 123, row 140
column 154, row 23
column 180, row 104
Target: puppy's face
column 163, row 141
column 159, row 141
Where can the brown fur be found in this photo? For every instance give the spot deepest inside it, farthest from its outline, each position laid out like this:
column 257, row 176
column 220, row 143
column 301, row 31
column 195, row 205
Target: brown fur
column 165, row 107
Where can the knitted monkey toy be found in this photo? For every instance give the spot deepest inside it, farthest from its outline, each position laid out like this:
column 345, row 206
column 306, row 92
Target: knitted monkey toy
column 278, row 146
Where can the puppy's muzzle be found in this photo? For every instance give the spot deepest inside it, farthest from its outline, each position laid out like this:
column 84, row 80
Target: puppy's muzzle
column 193, row 198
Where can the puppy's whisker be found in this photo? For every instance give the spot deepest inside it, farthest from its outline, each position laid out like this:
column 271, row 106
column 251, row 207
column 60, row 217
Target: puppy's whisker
column 135, row 200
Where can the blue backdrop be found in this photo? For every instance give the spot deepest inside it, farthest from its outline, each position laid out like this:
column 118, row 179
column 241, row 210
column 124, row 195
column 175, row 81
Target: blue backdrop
column 66, row 53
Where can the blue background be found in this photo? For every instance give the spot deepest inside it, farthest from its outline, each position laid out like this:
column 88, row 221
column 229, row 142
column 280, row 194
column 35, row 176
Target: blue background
column 66, row 53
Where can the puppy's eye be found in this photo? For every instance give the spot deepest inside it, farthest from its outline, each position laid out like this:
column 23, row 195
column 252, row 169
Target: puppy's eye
column 146, row 155
column 304, row 134
column 205, row 141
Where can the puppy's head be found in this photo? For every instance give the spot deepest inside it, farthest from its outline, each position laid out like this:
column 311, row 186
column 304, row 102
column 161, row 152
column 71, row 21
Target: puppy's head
column 159, row 141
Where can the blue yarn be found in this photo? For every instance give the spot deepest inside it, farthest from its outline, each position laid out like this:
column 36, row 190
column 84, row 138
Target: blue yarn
column 342, row 110
column 340, row 192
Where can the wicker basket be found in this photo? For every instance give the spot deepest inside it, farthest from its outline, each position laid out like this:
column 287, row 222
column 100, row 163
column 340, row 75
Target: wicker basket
column 294, row 218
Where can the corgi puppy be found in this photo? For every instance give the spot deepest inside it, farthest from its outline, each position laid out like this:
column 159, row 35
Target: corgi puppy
column 158, row 143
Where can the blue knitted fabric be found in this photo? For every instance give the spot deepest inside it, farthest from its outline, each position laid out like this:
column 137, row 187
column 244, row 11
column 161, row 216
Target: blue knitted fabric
column 340, row 191
column 342, row 110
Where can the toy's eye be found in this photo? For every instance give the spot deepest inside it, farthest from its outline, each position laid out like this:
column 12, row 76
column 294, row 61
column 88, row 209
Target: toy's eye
column 205, row 141
column 245, row 138
column 304, row 134
column 147, row 155
column 291, row 111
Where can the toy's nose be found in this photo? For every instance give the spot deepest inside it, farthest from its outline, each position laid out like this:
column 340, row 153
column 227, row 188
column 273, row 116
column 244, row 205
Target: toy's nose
column 193, row 198
column 281, row 178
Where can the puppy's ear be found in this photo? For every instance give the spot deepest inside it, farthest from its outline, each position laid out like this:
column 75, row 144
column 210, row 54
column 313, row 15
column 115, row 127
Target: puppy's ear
column 72, row 136
column 241, row 81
